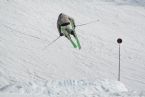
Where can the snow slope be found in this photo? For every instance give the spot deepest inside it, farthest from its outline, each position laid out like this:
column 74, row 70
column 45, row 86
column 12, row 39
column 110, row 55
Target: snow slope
column 27, row 26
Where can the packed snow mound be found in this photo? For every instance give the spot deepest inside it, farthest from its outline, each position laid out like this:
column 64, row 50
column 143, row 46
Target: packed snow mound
column 65, row 87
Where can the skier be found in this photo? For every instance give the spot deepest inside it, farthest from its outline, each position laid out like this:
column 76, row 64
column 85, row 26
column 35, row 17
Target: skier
column 66, row 27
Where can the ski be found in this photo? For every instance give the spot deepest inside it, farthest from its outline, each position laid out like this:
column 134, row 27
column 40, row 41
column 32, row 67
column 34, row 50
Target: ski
column 74, row 45
column 78, row 42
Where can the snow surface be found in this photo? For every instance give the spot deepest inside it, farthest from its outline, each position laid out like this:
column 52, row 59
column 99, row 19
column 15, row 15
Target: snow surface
column 28, row 26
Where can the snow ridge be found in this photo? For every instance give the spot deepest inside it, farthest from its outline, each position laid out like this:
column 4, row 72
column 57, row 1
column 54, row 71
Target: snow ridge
column 65, row 87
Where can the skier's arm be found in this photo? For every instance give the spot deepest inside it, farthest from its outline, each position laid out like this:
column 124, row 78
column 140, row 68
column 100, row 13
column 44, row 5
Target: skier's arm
column 72, row 22
column 59, row 29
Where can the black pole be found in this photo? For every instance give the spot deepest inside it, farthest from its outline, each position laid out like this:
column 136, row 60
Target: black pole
column 119, row 65
column 119, row 41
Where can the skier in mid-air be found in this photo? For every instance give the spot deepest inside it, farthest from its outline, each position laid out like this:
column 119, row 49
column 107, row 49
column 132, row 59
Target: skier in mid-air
column 66, row 27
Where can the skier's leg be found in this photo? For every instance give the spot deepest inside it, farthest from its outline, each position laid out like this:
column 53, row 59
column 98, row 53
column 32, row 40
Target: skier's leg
column 72, row 42
column 69, row 38
column 67, row 35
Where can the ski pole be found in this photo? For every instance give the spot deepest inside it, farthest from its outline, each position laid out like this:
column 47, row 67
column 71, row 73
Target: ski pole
column 87, row 23
column 52, row 42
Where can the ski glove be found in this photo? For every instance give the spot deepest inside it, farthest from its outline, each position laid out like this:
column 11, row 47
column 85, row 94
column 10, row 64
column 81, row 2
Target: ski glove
column 61, row 34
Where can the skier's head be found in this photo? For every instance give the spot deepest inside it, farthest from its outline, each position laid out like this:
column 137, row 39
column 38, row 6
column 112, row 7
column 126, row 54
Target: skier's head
column 61, row 14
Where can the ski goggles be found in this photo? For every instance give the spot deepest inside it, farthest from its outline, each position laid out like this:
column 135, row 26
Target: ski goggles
column 65, row 24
